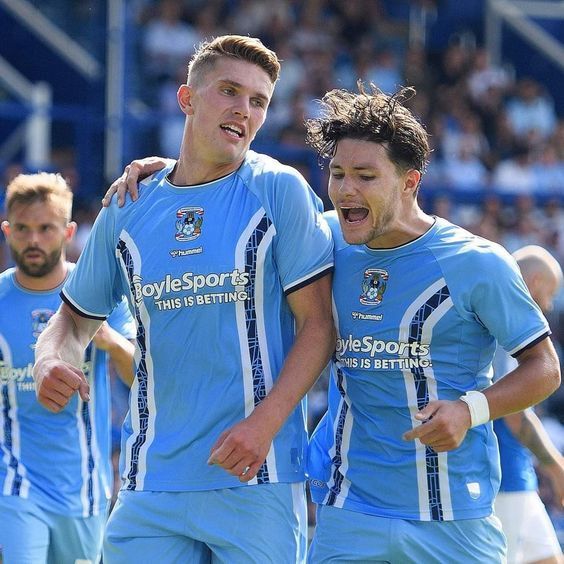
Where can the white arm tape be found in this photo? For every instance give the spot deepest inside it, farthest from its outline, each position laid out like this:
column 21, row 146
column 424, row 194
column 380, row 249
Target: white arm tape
column 478, row 405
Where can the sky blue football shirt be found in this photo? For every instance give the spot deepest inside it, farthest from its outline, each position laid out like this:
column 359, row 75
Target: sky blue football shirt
column 206, row 269
column 416, row 323
column 60, row 461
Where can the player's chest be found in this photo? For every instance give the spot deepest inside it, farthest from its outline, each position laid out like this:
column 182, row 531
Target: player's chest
column 379, row 296
column 197, row 232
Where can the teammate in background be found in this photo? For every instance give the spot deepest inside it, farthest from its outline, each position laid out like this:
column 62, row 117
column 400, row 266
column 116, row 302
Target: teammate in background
column 55, row 473
column 403, row 465
column 234, row 326
column 526, row 524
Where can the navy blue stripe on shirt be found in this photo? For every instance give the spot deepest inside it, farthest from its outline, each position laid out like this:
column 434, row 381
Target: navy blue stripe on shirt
column 337, row 460
column 87, row 421
column 422, row 392
column 8, row 445
column 257, row 367
column 141, row 374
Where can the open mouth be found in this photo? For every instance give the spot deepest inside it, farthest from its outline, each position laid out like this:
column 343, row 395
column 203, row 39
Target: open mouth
column 354, row 215
column 233, row 130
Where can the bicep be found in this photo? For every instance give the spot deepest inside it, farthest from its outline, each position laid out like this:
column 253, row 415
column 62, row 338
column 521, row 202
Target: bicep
column 312, row 302
column 542, row 352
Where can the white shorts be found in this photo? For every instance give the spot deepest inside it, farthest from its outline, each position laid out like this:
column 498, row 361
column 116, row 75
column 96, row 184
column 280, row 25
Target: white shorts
column 527, row 527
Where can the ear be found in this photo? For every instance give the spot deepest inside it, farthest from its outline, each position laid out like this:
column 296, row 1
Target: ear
column 5, row 226
column 411, row 181
column 70, row 230
column 184, row 97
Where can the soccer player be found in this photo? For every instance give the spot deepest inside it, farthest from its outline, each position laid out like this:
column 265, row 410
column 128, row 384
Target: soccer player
column 55, row 472
column 403, row 465
column 529, row 531
column 226, row 261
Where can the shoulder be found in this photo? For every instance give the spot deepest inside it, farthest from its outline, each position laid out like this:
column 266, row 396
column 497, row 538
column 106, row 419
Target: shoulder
column 281, row 189
column 332, row 220
column 6, row 280
column 264, row 170
column 148, row 187
column 464, row 248
column 7, row 274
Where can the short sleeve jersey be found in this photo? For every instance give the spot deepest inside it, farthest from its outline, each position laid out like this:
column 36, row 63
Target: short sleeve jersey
column 416, row 323
column 60, row 461
column 207, row 270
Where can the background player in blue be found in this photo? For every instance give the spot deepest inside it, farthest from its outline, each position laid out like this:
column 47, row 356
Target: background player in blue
column 529, row 531
column 226, row 261
column 402, row 469
column 55, row 473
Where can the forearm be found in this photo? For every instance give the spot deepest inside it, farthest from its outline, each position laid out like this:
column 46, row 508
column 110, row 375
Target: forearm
column 306, row 360
column 59, row 357
column 64, row 338
column 532, row 434
column 121, row 354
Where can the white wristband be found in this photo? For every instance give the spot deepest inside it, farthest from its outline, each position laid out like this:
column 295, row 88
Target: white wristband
column 477, row 403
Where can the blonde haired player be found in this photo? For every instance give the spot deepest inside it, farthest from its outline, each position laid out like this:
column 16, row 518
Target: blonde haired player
column 55, row 472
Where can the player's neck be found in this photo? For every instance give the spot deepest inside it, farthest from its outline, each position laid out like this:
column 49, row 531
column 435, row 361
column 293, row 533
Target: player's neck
column 193, row 172
column 403, row 229
column 43, row 283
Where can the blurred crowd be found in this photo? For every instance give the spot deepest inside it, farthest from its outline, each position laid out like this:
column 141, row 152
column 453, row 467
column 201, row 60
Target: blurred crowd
column 498, row 140
column 498, row 161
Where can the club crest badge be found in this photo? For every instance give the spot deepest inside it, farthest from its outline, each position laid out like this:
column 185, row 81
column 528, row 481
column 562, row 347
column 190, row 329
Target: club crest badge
column 373, row 286
column 189, row 223
column 39, row 320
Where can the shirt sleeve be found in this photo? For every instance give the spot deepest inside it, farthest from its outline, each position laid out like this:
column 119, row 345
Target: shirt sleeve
column 96, row 285
column 502, row 303
column 303, row 244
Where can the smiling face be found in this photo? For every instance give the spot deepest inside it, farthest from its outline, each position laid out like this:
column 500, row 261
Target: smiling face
column 372, row 197
column 225, row 108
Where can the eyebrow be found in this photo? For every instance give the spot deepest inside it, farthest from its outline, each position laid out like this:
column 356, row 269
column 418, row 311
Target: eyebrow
column 239, row 85
column 360, row 167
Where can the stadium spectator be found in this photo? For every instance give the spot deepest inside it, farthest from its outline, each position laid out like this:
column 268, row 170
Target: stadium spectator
column 464, row 128
column 557, row 140
column 531, row 110
column 484, row 78
column 233, row 328
column 55, row 472
column 464, row 170
column 416, row 70
column 548, row 171
column 384, row 70
column 420, row 304
column 526, row 524
column 168, row 41
column 514, row 175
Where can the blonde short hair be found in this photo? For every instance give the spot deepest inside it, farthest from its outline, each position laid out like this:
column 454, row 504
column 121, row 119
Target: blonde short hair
column 40, row 187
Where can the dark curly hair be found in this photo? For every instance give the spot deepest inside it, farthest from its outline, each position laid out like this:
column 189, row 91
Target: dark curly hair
column 371, row 116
